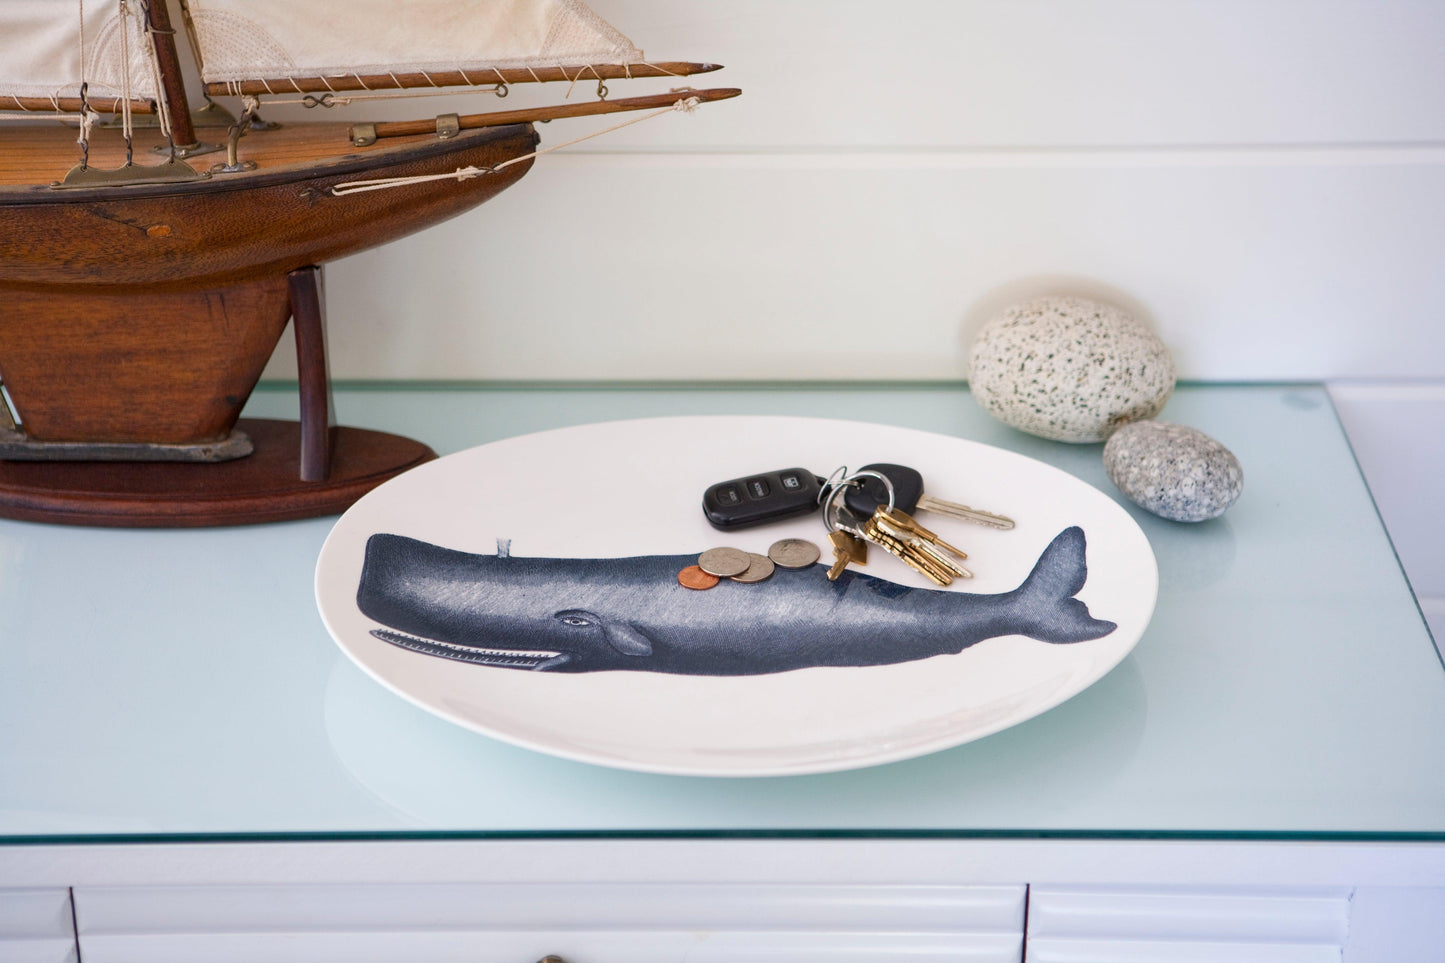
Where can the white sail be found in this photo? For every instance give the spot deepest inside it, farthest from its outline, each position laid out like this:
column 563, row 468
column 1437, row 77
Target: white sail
column 244, row 40
column 40, row 43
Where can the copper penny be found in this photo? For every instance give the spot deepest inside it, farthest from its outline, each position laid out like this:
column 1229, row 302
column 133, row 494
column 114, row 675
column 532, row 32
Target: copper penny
column 760, row 567
column 695, row 578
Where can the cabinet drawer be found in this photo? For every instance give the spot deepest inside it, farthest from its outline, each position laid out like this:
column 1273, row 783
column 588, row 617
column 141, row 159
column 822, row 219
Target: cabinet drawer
column 583, row 923
column 1186, row 925
column 36, row 927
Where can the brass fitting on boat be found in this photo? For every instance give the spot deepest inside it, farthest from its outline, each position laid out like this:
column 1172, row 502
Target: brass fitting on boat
column 234, row 163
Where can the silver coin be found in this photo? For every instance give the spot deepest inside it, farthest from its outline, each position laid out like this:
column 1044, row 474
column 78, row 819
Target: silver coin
column 794, row 553
column 723, row 562
column 760, row 567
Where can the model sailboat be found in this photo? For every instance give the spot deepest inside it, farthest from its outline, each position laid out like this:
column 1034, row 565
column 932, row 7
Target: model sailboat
column 148, row 272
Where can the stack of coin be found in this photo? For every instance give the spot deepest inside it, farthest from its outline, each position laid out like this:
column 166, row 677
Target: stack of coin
column 733, row 563
column 760, row 568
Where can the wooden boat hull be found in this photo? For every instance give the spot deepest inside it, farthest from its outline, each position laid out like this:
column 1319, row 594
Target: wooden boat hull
column 144, row 314
column 135, row 321
column 160, row 366
column 243, row 225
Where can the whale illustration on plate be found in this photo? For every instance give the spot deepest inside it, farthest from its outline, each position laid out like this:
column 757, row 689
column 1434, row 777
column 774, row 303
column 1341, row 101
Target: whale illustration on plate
column 601, row 614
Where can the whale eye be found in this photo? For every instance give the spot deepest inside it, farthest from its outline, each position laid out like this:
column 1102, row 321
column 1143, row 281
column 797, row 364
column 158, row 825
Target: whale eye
column 576, row 618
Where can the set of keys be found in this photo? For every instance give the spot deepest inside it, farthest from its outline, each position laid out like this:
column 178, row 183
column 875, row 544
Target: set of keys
column 893, row 530
column 873, row 505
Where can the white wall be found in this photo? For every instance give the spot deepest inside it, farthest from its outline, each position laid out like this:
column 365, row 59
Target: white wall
column 1263, row 179
column 1398, row 434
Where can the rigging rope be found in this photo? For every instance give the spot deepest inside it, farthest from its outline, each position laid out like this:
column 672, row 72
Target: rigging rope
column 125, row 124
column 163, row 107
column 88, row 117
column 686, row 105
column 330, row 99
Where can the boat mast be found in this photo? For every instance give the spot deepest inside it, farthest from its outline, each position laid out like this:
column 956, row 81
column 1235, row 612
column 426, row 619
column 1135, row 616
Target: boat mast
column 173, row 88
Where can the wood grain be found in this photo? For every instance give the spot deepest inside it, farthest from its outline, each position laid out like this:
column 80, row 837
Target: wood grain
column 145, row 313
column 73, row 104
column 264, row 487
column 159, row 365
column 459, row 78
column 168, row 65
column 235, row 226
column 308, row 310
column 558, row 111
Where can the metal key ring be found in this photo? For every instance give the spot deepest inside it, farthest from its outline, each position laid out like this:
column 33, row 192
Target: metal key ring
column 849, row 482
column 833, row 481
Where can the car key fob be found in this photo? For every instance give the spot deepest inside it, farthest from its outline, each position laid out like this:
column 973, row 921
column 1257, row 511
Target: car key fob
column 758, row 499
column 870, row 492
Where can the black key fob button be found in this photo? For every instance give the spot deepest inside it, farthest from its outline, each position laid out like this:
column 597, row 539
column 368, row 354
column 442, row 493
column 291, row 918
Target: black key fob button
column 759, row 499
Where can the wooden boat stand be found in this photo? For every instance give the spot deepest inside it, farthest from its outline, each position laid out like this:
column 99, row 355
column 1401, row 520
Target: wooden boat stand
column 264, row 471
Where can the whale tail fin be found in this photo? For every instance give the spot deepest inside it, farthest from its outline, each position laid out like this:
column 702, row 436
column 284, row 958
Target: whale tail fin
column 1045, row 603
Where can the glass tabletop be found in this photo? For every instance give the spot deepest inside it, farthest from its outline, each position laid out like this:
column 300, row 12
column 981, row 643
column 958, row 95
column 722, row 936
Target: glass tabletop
column 179, row 684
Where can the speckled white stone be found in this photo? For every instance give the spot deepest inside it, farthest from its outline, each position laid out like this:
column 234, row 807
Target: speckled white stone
column 1069, row 369
column 1174, row 471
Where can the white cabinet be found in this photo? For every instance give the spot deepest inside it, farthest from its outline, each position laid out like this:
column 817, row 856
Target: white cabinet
column 1088, row 924
column 36, row 926
column 520, row 923
column 724, row 900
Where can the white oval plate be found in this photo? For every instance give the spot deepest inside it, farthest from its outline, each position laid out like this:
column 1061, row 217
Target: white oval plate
column 634, row 488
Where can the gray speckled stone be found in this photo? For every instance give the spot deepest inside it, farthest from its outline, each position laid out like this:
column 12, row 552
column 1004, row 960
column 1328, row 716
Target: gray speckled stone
column 1069, row 369
column 1173, row 470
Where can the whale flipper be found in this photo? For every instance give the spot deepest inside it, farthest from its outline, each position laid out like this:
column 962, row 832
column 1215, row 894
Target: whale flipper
column 1045, row 605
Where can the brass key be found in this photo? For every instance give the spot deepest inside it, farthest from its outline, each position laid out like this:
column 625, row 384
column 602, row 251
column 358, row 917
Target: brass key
column 920, row 562
column 848, row 549
column 895, row 532
column 926, row 539
column 844, row 535
column 923, row 565
column 920, row 549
